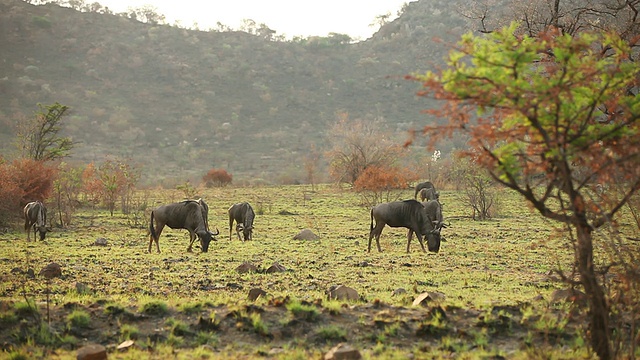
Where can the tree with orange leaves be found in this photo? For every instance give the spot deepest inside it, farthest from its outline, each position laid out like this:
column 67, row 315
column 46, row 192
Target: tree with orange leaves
column 549, row 117
column 376, row 183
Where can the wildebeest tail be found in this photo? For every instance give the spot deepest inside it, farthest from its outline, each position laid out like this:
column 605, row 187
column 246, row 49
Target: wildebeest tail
column 151, row 229
column 371, row 227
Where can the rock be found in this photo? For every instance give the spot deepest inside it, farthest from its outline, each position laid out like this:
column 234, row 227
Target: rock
column 125, row 345
column 255, row 293
column 306, row 234
column 343, row 351
column 246, row 267
column 100, row 242
column 398, row 291
column 92, row 352
column 342, row 292
column 276, row 268
column 82, row 288
column 428, row 296
column 51, row 271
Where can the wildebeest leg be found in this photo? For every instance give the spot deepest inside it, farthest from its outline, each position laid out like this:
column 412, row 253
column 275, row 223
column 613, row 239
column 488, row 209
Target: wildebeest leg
column 230, row 227
column 156, row 239
column 239, row 227
column 409, row 237
column 193, row 237
column 421, row 243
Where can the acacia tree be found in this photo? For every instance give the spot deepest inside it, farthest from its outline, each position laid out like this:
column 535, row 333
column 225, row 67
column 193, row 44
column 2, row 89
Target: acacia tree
column 39, row 137
column 356, row 145
column 547, row 117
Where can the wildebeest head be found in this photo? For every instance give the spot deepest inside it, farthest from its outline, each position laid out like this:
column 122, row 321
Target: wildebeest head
column 433, row 239
column 246, row 231
column 205, row 239
column 42, row 231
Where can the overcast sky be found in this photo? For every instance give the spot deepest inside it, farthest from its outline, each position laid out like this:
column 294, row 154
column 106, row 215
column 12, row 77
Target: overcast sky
column 286, row 17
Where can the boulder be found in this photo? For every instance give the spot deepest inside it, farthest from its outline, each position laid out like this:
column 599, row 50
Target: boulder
column 100, row 242
column 92, row 352
column 51, row 271
column 427, row 297
column 255, row 293
column 342, row 292
column 246, row 267
column 276, row 267
column 306, row 234
column 343, row 351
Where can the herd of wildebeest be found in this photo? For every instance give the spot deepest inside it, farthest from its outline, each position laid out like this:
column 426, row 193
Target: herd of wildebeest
column 424, row 218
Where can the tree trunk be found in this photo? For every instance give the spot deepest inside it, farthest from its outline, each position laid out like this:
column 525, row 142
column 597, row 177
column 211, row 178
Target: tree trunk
column 598, row 309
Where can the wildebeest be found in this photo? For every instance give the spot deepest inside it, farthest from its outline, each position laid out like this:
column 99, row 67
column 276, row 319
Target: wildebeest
column 409, row 214
column 35, row 216
column 189, row 215
column 429, row 194
column 434, row 212
column 205, row 212
column 243, row 215
column 423, row 185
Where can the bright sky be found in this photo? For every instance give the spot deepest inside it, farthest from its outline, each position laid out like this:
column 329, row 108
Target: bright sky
column 286, row 17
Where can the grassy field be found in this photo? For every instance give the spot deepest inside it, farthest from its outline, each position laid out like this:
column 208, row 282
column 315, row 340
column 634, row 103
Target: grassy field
column 494, row 275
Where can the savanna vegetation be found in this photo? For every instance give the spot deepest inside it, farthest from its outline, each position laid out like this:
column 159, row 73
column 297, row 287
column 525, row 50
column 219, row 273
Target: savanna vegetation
column 497, row 277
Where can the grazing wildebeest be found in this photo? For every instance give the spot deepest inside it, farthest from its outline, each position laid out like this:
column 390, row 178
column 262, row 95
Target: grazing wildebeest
column 205, row 212
column 243, row 215
column 429, row 194
column 434, row 212
column 35, row 216
column 409, row 214
column 187, row 215
column 423, row 185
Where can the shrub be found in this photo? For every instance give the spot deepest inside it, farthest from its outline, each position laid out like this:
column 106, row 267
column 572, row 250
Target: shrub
column 217, row 178
column 376, row 183
column 78, row 319
column 129, row 332
column 154, row 307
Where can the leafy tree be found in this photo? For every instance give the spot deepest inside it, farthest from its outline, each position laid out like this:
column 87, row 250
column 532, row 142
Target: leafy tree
column 112, row 180
column 66, row 189
column 40, row 139
column 548, row 117
column 356, row 145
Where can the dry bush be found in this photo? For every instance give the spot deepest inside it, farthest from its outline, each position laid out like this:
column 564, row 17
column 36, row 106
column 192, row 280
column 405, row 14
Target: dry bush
column 217, row 178
column 376, row 183
column 22, row 181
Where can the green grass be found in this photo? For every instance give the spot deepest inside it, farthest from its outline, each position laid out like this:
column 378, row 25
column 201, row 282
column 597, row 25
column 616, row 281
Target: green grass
column 129, row 332
column 332, row 333
column 303, row 311
column 78, row 319
column 154, row 307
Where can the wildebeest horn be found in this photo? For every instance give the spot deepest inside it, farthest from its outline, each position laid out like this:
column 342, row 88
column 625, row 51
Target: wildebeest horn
column 216, row 233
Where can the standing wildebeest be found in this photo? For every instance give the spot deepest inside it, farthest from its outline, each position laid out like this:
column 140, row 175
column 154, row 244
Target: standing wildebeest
column 409, row 214
column 35, row 216
column 187, row 215
column 429, row 194
column 423, row 185
column 243, row 215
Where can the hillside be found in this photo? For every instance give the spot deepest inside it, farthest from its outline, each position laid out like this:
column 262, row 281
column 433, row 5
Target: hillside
column 180, row 102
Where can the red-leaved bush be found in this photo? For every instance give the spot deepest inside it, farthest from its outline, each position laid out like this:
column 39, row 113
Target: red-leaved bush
column 22, row 181
column 217, row 178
